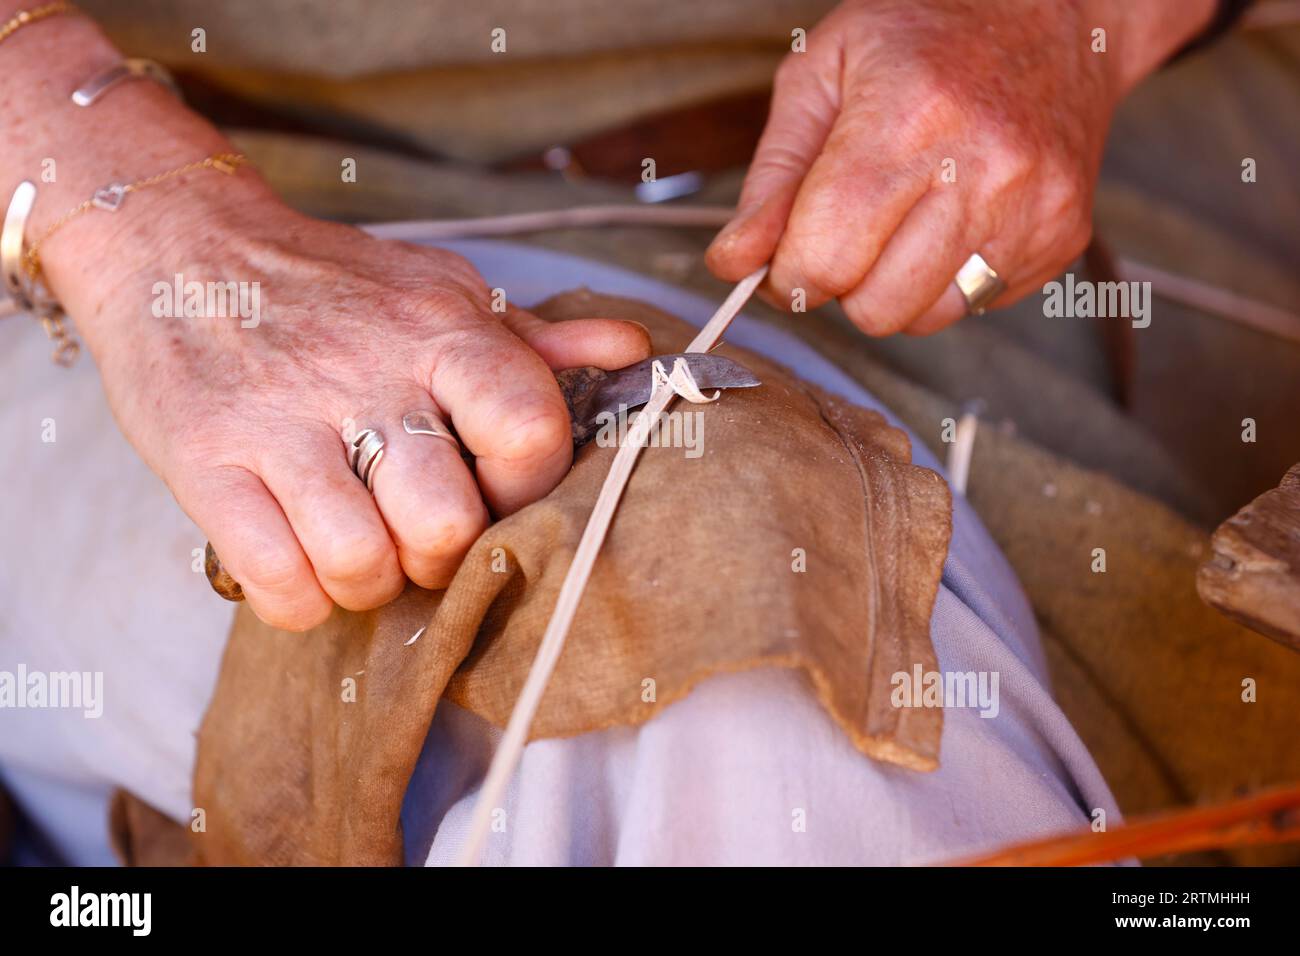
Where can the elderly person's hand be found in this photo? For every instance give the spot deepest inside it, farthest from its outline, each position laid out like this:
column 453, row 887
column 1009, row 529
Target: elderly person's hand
column 913, row 133
column 243, row 422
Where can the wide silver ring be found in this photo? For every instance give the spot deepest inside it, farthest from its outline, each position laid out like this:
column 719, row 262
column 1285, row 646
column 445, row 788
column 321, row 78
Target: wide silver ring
column 364, row 454
column 979, row 284
column 427, row 423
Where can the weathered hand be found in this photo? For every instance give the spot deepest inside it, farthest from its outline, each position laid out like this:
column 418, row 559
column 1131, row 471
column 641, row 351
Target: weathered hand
column 913, row 133
column 243, row 421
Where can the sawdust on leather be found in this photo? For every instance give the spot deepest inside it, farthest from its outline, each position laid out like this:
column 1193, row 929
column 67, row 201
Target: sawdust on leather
column 305, row 752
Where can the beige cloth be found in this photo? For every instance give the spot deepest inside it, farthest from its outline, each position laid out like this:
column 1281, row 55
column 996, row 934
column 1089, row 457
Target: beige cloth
column 425, row 73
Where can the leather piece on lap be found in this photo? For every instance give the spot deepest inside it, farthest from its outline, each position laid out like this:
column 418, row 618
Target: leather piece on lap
column 307, row 747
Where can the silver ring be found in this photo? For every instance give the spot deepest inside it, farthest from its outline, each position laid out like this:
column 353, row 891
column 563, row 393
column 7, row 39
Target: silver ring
column 979, row 284
column 364, row 454
column 427, row 423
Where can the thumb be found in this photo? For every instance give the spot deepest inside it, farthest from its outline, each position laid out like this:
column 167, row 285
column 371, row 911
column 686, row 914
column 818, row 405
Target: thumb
column 805, row 103
column 604, row 343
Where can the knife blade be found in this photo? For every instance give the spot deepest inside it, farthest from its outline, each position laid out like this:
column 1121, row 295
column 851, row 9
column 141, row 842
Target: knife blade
column 592, row 393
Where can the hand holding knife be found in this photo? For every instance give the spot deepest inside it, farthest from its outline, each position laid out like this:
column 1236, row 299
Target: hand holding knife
column 590, row 393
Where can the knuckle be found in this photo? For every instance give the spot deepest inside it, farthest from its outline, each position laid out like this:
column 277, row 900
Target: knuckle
column 468, row 293
column 1077, row 236
column 937, row 110
column 939, row 102
column 1065, row 191
column 422, row 267
column 463, row 349
column 534, row 432
column 453, row 262
column 872, row 319
column 1065, row 210
column 446, row 301
column 354, row 557
column 296, row 616
column 271, row 570
column 452, row 302
column 449, row 533
column 458, row 273
column 823, row 269
column 1012, row 161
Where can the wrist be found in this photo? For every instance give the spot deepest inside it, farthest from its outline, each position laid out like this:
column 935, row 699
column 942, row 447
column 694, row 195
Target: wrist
column 190, row 223
column 1141, row 36
column 138, row 130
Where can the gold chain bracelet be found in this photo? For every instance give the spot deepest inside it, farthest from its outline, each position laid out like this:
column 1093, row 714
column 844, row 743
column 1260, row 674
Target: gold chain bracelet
column 111, row 197
column 24, row 17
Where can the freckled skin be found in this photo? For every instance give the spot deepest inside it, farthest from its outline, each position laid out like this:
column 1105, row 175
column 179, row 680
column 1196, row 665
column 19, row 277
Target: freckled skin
column 846, row 196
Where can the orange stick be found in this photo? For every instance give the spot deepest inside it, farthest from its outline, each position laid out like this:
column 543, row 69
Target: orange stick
column 1272, row 816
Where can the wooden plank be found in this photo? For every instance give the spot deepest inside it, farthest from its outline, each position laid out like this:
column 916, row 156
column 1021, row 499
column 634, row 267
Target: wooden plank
column 1253, row 574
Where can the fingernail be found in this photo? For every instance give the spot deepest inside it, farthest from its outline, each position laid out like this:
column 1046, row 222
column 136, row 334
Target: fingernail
column 731, row 229
column 649, row 338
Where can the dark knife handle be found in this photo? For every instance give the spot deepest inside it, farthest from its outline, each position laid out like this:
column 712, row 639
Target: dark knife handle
column 219, row 577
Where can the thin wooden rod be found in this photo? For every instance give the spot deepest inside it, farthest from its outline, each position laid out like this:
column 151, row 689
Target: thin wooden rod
column 512, row 743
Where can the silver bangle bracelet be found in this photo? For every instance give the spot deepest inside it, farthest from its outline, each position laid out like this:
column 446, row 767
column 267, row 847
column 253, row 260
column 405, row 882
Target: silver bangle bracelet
column 131, row 69
column 27, row 294
column 12, row 246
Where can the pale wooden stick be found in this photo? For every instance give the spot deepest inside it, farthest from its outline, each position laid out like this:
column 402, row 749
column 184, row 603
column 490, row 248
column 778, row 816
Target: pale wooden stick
column 512, row 743
column 1213, row 299
column 959, row 453
column 708, row 217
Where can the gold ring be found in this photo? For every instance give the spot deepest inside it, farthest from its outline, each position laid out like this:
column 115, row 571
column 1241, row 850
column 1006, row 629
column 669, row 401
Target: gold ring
column 979, row 284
